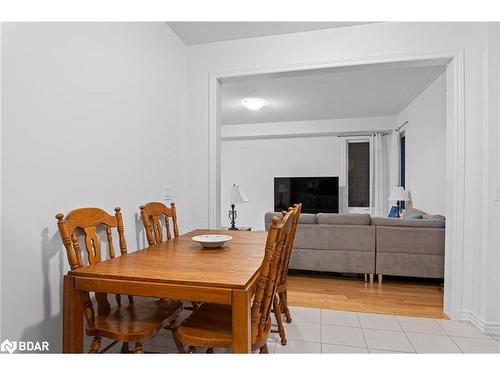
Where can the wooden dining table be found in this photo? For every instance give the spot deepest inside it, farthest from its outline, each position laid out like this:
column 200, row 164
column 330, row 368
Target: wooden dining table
column 179, row 269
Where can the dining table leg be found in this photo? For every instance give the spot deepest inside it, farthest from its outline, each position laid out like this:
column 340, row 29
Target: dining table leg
column 241, row 321
column 72, row 317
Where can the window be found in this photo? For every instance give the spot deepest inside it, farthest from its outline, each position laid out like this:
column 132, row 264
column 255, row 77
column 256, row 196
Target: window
column 358, row 173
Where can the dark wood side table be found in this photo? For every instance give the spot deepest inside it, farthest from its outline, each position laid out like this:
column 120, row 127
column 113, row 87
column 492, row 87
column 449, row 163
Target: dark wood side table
column 248, row 229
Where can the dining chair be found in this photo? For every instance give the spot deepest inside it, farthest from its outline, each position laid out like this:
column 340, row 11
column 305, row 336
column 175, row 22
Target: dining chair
column 152, row 214
column 211, row 325
column 280, row 303
column 133, row 322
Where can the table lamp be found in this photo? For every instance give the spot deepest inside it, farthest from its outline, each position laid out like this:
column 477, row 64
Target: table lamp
column 237, row 196
column 398, row 195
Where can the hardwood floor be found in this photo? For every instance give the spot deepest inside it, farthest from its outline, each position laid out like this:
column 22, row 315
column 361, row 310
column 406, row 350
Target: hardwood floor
column 394, row 296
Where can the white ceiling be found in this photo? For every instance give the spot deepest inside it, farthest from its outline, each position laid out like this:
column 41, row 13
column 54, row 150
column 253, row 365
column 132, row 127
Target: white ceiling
column 207, row 32
column 362, row 91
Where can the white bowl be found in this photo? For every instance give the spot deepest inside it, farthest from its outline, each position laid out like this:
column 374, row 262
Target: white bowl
column 211, row 241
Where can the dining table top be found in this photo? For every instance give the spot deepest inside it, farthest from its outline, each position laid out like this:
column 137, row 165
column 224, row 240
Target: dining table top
column 183, row 261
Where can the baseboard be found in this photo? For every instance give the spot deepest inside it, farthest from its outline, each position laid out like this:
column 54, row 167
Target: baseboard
column 489, row 328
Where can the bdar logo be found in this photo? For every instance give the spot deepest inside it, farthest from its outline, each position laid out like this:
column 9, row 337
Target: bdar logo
column 8, row 346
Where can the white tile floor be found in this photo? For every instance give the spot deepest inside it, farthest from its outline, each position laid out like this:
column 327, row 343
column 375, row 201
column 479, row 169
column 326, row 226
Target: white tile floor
column 330, row 331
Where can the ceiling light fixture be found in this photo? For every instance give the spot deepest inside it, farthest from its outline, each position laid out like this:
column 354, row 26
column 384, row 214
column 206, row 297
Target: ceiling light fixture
column 254, row 104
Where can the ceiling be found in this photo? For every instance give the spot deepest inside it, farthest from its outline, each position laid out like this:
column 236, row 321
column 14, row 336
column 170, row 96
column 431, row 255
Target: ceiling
column 347, row 92
column 207, row 32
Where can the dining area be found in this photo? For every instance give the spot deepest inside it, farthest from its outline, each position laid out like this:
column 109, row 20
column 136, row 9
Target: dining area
column 208, row 289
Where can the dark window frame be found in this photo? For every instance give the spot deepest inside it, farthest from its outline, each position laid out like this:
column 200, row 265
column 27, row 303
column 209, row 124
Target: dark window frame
column 402, row 162
column 362, row 147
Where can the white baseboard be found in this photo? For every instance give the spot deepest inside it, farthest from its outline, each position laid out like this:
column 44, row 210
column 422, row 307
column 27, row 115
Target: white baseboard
column 489, row 328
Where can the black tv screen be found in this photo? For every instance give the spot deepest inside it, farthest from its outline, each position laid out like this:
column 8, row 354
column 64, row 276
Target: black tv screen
column 317, row 194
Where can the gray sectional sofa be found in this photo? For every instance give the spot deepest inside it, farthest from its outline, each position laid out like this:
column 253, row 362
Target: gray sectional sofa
column 358, row 243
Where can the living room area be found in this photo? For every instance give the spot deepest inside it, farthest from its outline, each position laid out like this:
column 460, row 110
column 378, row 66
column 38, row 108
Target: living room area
column 358, row 144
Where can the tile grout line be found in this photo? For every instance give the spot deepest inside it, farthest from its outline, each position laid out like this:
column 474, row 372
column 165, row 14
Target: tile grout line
column 433, row 334
column 446, row 333
column 400, row 326
column 349, row 346
column 341, row 325
column 362, row 333
column 321, row 330
column 475, row 338
column 311, row 341
column 465, row 337
column 370, row 328
column 385, row 330
column 439, row 325
column 458, row 346
column 471, row 338
column 424, row 333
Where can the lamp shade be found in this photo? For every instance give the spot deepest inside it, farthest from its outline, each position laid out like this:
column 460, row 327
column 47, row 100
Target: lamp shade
column 398, row 193
column 237, row 195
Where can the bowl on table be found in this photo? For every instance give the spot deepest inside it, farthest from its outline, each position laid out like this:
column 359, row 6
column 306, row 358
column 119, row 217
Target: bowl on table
column 212, row 241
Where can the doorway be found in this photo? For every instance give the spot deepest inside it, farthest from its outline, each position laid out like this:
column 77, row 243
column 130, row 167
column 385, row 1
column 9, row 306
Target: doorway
column 454, row 159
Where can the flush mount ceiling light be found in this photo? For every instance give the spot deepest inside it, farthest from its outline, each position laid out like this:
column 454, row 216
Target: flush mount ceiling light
column 254, row 104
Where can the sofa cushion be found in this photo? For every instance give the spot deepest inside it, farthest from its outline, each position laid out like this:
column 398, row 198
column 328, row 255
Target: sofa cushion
column 343, row 219
column 417, row 223
column 303, row 219
column 415, row 265
column 408, row 240
column 307, row 219
column 333, row 261
column 335, row 237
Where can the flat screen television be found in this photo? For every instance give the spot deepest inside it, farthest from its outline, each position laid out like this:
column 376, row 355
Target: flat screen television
column 317, row 194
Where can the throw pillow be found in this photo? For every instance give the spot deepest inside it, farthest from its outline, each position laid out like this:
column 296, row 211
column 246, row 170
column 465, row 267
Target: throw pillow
column 411, row 212
column 415, row 216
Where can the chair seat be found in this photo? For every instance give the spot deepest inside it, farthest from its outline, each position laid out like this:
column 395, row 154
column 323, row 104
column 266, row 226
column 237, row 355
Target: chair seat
column 135, row 321
column 211, row 326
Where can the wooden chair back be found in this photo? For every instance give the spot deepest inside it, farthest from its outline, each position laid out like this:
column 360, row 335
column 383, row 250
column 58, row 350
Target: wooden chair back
column 296, row 209
column 88, row 220
column 268, row 273
column 151, row 214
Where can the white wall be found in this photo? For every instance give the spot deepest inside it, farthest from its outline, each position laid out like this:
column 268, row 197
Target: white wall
column 426, row 148
column 366, row 41
column 93, row 115
column 249, row 157
column 1, row 304
column 253, row 164
column 490, row 262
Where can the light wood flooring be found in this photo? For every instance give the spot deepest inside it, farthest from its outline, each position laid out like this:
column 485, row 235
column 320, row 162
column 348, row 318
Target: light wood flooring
column 394, row 296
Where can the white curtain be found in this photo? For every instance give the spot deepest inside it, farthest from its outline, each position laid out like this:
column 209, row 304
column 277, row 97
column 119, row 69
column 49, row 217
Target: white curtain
column 380, row 180
column 394, row 159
